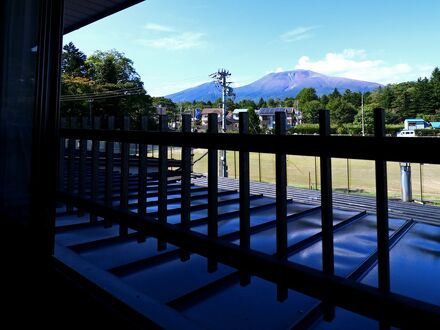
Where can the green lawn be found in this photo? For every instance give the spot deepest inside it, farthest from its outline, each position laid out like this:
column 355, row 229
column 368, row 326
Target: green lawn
column 301, row 173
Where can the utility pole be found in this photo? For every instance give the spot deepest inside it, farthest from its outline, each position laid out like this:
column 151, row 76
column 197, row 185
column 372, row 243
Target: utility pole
column 362, row 113
column 221, row 81
column 297, row 114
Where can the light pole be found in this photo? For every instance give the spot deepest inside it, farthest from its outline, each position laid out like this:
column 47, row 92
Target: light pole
column 362, row 113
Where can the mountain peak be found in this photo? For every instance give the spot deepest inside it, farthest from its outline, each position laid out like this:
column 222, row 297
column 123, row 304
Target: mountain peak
column 278, row 85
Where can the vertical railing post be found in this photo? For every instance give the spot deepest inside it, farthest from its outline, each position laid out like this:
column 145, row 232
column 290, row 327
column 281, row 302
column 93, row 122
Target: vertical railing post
column 82, row 164
column 186, row 182
column 328, row 266
column 163, row 180
column 382, row 206
column 259, row 167
column 421, row 183
column 125, row 169
column 71, row 163
column 94, row 173
column 109, row 151
column 212, row 188
column 245, row 238
column 142, row 177
column 62, row 152
column 281, row 201
column 326, row 197
column 316, row 174
column 235, row 164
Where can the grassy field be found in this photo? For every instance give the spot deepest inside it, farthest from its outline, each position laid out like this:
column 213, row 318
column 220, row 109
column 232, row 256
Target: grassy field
column 354, row 175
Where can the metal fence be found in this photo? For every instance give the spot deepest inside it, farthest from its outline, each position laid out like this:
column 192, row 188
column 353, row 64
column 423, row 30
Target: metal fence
column 378, row 303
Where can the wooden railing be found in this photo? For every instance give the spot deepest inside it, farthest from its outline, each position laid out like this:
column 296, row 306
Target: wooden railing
column 378, row 303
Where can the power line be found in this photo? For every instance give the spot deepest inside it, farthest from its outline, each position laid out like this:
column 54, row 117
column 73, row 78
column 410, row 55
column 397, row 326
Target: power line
column 102, row 95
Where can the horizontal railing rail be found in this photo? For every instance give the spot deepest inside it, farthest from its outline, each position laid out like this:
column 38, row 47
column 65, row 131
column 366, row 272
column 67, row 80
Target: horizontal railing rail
column 355, row 147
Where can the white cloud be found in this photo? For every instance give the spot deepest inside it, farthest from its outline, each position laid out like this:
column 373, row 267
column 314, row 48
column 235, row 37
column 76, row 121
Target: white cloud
column 354, row 64
column 158, row 27
column 297, row 34
column 181, row 41
column 277, row 70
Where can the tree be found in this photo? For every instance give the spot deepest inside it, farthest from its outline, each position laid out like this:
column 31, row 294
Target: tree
column 246, row 104
column 310, row 112
column 289, row 102
column 111, row 67
column 271, row 103
column 368, row 117
column 424, row 97
column 101, row 73
column 230, row 105
column 261, row 103
column 168, row 104
column 435, row 85
column 334, row 95
column 217, row 103
column 109, row 72
column 73, row 61
column 388, row 97
column 341, row 112
column 254, row 122
column 306, row 95
column 324, row 99
column 351, row 97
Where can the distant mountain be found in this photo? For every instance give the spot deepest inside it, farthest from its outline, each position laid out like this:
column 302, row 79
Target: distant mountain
column 277, row 85
column 204, row 92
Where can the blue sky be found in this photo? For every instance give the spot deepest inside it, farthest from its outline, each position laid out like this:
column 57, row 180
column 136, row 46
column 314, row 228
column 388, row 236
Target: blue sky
column 176, row 44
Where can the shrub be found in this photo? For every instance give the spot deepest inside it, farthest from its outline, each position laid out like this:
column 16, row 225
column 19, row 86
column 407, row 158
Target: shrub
column 428, row 132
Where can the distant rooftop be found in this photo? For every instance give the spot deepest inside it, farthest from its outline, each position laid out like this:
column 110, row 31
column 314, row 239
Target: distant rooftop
column 271, row 111
column 207, row 111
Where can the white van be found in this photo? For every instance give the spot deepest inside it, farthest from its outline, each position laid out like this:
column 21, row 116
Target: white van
column 406, row 133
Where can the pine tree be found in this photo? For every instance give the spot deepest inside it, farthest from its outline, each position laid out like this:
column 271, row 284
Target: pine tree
column 73, row 61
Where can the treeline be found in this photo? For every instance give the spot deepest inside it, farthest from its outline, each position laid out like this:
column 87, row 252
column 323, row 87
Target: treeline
column 110, row 73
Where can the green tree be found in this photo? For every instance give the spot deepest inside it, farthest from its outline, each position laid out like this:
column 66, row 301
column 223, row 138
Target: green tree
column 352, row 97
column 435, row 85
column 254, row 122
column 368, row 118
column 289, row 102
column 73, row 61
column 230, row 105
column 111, row 67
column 388, row 97
column 168, row 104
column 271, row 103
column 334, row 95
column 341, row 112
column 246, row 104
column 424, row 97
column 306, row 95
column 324, row 99
column 310, row 112
column 109, row 72
column 261, row 103
column 96, row 76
